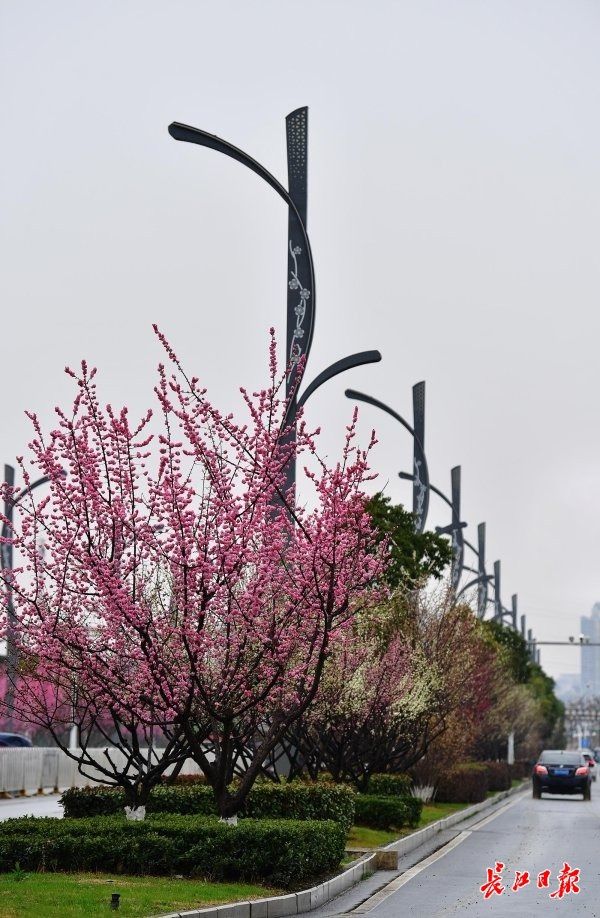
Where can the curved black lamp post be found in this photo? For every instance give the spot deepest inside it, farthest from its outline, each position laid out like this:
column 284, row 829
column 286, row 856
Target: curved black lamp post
column 482, row 579
column 500, row 610
column 420, row 477
column 454, row 529
column 6, row 564
column 422, row 485
column 301, row 294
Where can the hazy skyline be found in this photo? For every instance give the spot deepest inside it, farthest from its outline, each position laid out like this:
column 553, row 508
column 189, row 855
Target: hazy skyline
column 453, row 211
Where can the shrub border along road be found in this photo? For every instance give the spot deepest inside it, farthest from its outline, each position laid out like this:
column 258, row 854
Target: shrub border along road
column 309, row 899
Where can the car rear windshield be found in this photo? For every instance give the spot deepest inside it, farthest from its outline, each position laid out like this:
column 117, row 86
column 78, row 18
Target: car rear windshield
column 565, row 758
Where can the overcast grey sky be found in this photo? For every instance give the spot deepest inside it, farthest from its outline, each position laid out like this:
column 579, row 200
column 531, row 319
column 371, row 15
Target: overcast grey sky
column 454, row 205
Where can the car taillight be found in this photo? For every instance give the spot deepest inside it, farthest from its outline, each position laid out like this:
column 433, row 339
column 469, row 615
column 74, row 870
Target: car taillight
column 541, row 770
column 583, row 770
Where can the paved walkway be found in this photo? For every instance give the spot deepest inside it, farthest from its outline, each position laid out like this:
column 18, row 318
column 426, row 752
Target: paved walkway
column 43, row 805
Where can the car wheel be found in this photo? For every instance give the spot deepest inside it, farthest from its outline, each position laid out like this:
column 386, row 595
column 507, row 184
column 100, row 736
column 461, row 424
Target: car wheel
column 587, row 794
column 537, row 794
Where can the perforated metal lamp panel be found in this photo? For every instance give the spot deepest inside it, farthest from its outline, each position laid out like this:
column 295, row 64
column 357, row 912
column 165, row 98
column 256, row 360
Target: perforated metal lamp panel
column 458, row 539
column 482, row 587
column 420, row 479
column 301, row 294
column 297, row 156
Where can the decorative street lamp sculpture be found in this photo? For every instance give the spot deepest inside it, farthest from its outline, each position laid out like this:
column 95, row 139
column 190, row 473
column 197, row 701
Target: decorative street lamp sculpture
column 514, row 602
column 531, row 644
column 497, row 599
column 6, row 565
column 482, row 578
column 420, row 477
column 301, row 291
column 454, row 529
column 482, row 587
column 422, row 488
column 500, row 611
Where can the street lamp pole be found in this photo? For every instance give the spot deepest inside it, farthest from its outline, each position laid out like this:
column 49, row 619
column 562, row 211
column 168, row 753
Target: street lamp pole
column 458, row 539
column 454, row 530
column 497, row 600
column 6, row 565
column 482, row 586
column 301, row 288
column 514, row 610
column 420, row 477
column 482, row 580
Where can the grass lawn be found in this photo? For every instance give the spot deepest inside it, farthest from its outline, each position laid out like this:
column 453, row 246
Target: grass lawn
column 362, row 837
column 82, row 894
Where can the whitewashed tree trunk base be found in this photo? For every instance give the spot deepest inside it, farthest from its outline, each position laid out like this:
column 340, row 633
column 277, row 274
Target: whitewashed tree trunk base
column 135, row 813
column 229, row 820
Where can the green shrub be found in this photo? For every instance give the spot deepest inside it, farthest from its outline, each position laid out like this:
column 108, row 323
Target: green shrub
column 498, row 774
column 194, row 799
column 276, row 852
column 415, row 808
column 302, row 801
column 387, row 812
column 465, row 783
column 390, row 785
column 184, row 779
column 520, row 769
column 265, row 801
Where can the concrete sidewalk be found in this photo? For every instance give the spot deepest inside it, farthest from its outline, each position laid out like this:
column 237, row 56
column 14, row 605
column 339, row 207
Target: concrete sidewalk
column 38, row 805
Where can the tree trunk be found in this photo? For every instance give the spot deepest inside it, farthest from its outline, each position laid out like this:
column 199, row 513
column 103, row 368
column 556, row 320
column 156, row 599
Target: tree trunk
column 136, row 798
column 135, row 813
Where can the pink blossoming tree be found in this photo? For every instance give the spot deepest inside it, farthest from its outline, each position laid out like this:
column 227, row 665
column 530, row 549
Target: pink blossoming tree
column 181, row 590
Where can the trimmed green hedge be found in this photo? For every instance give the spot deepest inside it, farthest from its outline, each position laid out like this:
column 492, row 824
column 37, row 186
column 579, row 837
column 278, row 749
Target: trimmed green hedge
column 498, row 773
column 387, row 812
column 265, row 801
column 302, row 801
column 277, row 852
column 390, row 785
column 520, row 769
column 466, row 783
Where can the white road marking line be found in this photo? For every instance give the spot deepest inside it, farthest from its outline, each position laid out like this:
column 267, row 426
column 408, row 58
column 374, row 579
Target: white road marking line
column 503, row 809
column 396, row 884
column 391, row 888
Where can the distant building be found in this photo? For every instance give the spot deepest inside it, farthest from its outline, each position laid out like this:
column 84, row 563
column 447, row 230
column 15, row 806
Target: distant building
column 590, row 656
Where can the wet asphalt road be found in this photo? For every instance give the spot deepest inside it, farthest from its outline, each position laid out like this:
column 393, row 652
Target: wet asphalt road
column 526, row 835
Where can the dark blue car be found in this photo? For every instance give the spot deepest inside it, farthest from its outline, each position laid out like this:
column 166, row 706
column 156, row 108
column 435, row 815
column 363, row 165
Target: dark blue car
column 559, row 771
column 14, row 739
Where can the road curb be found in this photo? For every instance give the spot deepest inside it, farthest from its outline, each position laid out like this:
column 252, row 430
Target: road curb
column 309, row 899
column 416, row 839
